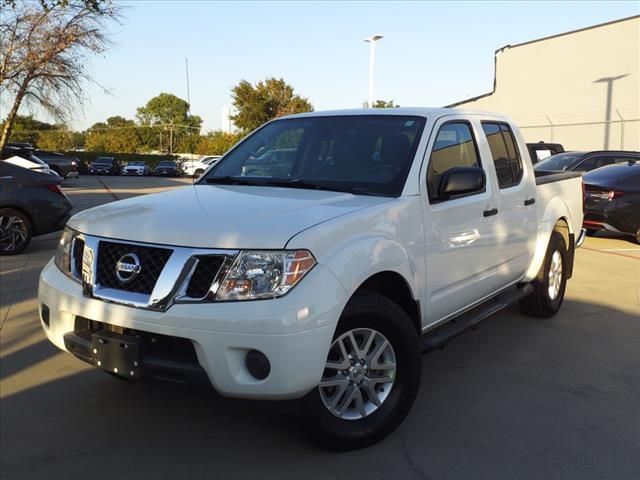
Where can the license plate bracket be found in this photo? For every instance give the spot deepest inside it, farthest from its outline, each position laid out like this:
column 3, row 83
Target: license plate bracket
column 116, row 353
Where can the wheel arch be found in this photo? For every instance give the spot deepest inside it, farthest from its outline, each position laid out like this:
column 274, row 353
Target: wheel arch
column 395, row 287
column 25, row 213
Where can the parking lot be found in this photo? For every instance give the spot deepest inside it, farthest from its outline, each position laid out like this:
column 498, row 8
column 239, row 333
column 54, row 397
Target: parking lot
column 516, row 398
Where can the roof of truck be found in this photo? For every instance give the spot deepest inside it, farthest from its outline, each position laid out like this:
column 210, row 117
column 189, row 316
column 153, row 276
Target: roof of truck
column 420, row 112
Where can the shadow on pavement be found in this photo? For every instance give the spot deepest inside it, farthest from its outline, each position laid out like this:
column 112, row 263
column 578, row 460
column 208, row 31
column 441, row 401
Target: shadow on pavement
column 519, row 398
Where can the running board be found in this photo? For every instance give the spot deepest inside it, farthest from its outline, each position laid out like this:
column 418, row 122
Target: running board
column 438, row 336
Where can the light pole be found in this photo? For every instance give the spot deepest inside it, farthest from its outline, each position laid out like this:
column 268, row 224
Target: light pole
column 372, row 60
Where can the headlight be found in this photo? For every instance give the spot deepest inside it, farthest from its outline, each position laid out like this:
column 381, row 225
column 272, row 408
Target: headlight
column 63, row 254
column 264, row 274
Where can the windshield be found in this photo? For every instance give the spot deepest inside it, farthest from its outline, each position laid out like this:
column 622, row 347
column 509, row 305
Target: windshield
column 104, row 160
column 360, row 154
column 561, row 161
column 135, row 163
column 166, row 164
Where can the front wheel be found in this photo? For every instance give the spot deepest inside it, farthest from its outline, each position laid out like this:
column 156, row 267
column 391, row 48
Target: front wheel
column 551, row 282
column 371, row 376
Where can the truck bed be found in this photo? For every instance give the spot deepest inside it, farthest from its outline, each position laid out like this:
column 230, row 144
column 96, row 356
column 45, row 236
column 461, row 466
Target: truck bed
column 547, row 176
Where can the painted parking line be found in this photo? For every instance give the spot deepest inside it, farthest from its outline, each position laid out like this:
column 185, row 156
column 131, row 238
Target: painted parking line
column 610, row 253
column 620, row 249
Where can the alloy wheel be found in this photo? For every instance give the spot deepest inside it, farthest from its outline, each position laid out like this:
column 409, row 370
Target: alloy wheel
column 13, row 233
column 359, row 374
column 555, row 275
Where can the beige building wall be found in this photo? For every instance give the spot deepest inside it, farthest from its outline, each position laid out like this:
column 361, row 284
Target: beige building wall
column 581, row 89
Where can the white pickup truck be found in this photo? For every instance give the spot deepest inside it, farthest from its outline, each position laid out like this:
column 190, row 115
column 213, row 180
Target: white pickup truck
column 317, row 260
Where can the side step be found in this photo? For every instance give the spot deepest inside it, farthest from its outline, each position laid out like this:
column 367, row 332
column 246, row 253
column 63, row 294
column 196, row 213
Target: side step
column 439, row 335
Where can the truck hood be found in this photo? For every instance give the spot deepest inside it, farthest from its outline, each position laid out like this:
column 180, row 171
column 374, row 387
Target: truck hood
column 220, row 216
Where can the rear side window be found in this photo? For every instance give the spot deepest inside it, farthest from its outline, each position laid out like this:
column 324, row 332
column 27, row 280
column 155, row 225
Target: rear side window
column 454, row 147
column 600, row 161
column 504, row 152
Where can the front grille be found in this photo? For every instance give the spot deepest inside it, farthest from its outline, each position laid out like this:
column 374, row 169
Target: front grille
column 152, row 261
column 78, row 251
column 204, row 274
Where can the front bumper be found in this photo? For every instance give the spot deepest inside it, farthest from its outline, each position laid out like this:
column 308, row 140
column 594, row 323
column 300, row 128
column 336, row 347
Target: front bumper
column 294, row 331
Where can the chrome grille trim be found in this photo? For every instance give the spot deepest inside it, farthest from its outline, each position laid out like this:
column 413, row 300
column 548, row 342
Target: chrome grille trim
column 171, row 285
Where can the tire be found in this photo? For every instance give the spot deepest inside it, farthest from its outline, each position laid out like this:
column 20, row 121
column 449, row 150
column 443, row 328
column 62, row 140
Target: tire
column 15, row 231
column 638, row 235
column 542, row 302
column 198, row 172
column 591, row 232
column 367, row 314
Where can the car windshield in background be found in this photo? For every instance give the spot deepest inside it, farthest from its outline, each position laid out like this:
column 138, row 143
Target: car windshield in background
column 135, row 163
column 360, row 154
column 104, row 160
column 560, row 161
column 166, row 164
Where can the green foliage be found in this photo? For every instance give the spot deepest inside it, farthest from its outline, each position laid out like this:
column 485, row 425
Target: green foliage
column 384, row 104
column 28, row 129
column 117, row 135
column 175, row 128
column 216, row 142
column 268, row 99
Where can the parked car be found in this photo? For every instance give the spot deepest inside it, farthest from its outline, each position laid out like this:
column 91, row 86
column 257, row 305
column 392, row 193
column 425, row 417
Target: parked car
column 383, row 234
column 64, row 165
column 31, row 204
column 24, row 157
column 136, row 167
column 613, row 199
column 105, row 166
column 195, row 168
column 167, row 168
column 541, row 150
column 585, row 161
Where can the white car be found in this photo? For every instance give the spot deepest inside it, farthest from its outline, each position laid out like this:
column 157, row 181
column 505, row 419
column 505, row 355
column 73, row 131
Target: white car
column 317, row 261
column 195, row 168
column 136, row 167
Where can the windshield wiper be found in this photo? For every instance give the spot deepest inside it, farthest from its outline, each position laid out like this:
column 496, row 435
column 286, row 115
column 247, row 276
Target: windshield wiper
column 230, row 180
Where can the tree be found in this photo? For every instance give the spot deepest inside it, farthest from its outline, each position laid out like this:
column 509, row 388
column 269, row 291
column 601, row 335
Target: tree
column 117, row 135
column 216, row 142
column 382, row 104
column 268, row 99
column 45, row 51
column 173, row 124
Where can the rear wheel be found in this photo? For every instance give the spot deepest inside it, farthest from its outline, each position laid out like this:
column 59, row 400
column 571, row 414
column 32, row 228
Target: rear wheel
column 371, row 376
column 15, row 231
column 551, row 282
column 198, row 172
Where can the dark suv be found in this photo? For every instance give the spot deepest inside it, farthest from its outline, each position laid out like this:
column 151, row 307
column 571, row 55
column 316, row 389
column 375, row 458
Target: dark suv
column 585, row 161
column 105, row 166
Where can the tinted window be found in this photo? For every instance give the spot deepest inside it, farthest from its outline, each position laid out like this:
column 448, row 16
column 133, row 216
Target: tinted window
column 454, row 147
column 561, row 161
column 104, row 160
column 504, row 152
column 166, row 164
column 368, row 154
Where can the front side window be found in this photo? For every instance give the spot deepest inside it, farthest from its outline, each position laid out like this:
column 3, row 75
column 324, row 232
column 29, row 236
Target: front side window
column 504, row 152
column 360, row 154
column 455, row 146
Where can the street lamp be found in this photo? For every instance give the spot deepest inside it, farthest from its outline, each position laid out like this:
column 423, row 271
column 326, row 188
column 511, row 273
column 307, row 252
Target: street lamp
column 372, row 59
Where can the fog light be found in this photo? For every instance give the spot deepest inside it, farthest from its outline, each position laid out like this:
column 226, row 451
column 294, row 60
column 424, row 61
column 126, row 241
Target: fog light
column 44, row 313
column 258, row 364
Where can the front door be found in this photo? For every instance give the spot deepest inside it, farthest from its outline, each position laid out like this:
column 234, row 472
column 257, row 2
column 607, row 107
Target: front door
column 462, row 250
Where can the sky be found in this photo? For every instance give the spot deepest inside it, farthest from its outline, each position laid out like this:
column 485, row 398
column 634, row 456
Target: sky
column 432, row 53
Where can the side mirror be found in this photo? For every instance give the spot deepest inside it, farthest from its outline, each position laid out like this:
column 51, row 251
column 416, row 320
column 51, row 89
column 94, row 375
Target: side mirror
column 461, row 181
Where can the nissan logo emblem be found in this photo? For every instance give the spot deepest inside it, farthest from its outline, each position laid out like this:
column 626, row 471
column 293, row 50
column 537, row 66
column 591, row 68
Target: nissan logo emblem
column 128, row 267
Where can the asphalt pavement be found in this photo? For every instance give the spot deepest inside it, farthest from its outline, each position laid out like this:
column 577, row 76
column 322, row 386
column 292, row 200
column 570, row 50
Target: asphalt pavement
column 516, row 398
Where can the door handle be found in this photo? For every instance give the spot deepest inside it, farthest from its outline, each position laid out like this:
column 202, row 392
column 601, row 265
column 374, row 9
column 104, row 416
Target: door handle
column 489, row 213
column 531, row 201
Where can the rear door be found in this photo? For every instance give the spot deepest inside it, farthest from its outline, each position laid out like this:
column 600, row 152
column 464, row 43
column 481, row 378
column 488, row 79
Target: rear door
column 462, row 252
column 518, row 214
